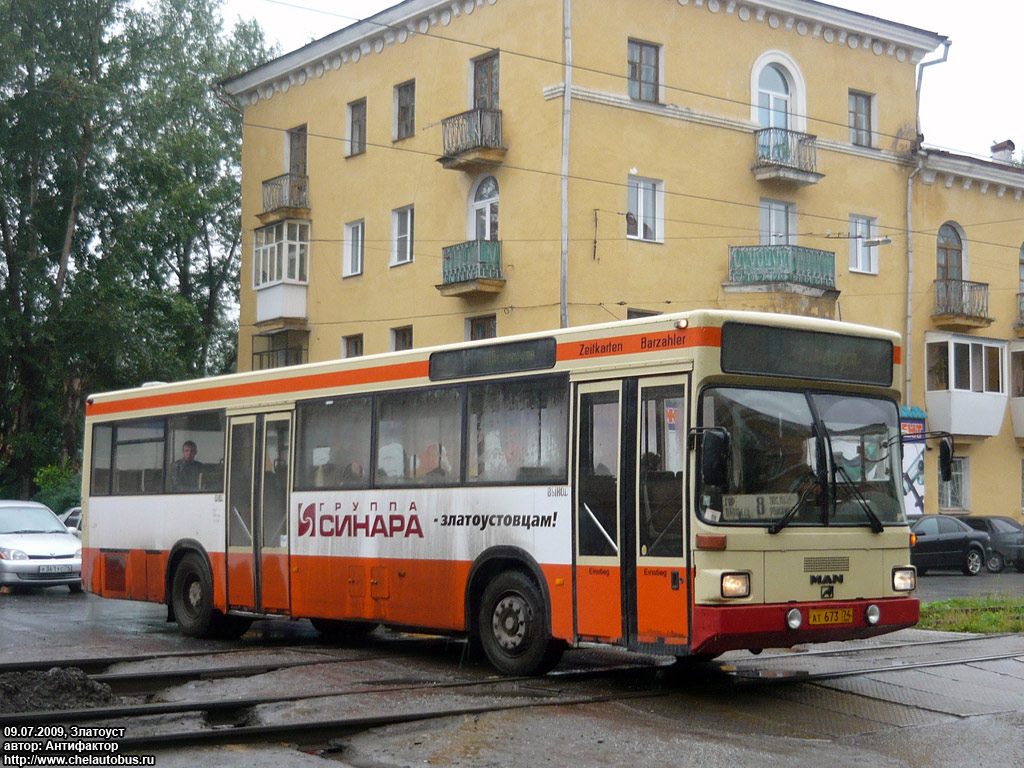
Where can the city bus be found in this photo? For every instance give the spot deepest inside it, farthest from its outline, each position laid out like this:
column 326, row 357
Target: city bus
column 679, row 485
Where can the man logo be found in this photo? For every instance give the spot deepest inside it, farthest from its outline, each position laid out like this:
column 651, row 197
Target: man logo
column 828, row 592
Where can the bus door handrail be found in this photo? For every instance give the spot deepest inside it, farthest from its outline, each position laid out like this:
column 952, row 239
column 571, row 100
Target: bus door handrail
column 601, row 528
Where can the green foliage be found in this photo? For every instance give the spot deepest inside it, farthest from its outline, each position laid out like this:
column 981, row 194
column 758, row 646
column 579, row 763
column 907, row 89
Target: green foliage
column 60, row 487
column 119, row 209
column 989, row 614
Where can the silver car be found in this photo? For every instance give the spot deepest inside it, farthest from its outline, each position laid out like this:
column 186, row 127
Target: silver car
column 36, row 549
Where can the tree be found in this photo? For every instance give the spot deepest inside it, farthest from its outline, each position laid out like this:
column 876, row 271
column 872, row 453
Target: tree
column 119, row 209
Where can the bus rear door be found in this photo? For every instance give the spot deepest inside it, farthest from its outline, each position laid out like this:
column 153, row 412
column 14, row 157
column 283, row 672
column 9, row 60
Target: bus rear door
column 257, row 500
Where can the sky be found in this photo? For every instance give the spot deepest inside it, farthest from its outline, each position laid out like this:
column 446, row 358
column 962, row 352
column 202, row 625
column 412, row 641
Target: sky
column 969, row 102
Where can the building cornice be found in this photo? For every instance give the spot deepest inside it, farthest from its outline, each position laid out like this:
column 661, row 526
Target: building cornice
column 972, row 173
column 402, row 22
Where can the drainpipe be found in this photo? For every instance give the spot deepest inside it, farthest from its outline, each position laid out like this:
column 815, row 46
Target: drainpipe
column 910, row 278
column 566, row 113
column 910, row 219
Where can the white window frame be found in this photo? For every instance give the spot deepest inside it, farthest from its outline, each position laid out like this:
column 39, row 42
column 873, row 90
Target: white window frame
column 863, row 258
column 656, row 217
column 482, row 205
column 353, row 255
column 278, row 257
column 402, row 244
column 961, row 481
column 797, row 88
column 770, row 211
column 978, row 352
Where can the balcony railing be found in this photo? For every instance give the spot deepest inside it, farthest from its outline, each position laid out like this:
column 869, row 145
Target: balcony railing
column 782, row 264
column 780, row 146
column 475, row 129
column 473, row 260
column 286, row 191
column 961, row 298
column 279, row 358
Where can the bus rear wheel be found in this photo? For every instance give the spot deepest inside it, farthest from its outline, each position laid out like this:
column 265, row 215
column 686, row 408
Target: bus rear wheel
column 512, row 628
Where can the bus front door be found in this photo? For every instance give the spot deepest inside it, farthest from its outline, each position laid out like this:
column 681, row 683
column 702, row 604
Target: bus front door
column 257, row 512
column 659, row 588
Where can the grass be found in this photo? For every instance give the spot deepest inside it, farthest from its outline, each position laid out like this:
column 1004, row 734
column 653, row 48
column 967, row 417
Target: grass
column 990, row 614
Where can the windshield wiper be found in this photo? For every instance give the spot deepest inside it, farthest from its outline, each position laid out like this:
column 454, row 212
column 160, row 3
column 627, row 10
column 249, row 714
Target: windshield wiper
column 783, row 521
column 848, row 484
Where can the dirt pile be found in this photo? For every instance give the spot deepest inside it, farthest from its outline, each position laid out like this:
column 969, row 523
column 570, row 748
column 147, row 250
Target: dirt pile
column 54, row 689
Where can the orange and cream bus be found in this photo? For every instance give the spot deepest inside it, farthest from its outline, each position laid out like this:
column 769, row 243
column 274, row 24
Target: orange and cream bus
column 683, row 485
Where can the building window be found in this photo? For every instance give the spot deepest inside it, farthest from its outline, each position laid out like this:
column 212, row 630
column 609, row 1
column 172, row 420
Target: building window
column 277, row 350
column 644, row 71
column 863, row 258
column 280, row 254
column 1020, row 274
column 485, row 82
column 955, row 494
column 352, row 346
column 405, row 110
column 972, row 366
column 860, row 119
column 1017, row 374
column 401, row 338
column 778, row 222
column 354, row 248
column 297, row 151
column 644, row 203
column 357, row 127
column 949, row 257
column 485, row 210
column 402, row 235
column 773, row 98
column 482, row 327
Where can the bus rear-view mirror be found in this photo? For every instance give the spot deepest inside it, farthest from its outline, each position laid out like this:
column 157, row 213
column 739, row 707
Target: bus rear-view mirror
column 946, row 459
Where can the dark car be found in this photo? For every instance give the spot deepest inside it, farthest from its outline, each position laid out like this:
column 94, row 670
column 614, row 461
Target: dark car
column 945, row 542
column 1007, row 540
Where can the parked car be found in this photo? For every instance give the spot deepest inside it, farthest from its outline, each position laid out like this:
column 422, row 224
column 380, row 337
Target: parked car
column 1007, row 540
column 72, row 518
column 36, row 548
column 945, row 542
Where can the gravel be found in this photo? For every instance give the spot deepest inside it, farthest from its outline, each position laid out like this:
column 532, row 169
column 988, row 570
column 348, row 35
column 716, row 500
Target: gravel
column 57, row 688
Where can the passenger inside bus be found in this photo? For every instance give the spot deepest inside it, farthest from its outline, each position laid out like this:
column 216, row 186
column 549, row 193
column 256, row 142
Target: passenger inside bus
column 186, row 471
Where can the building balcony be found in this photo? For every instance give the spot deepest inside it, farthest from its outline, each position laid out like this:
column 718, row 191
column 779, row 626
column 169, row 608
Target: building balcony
column 965, row 413
column 789, row 279
column 786, row 156
column 285, row 197
column 471, row 268
column 961, row 304
column 472, row 140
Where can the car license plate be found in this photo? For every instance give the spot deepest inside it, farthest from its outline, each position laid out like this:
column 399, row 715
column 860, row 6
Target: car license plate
column 819, row 616
column 55, row 569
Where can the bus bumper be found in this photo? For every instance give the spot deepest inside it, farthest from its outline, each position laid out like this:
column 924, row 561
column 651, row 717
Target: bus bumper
column 717, row 629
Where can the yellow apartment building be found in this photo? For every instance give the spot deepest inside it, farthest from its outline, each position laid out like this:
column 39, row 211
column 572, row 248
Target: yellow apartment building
column 458, row 170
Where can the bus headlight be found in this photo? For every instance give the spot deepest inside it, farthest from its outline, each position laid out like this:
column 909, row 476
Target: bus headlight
column 904, row 579
column 735, row 585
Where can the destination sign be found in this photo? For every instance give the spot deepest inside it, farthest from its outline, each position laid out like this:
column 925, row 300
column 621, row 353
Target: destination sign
column 530, row 355
column 770, row 351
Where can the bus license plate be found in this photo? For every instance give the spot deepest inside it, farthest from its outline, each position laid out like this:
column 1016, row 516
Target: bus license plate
column 818, row 616
column 55, row 569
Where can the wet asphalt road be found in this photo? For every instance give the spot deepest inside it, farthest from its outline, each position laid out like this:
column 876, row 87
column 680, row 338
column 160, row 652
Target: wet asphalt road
column 922, row 719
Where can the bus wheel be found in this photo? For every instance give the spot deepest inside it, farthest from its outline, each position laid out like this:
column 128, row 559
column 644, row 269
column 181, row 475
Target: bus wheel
column 192, row 597
column 512, row 630
column 337, row 629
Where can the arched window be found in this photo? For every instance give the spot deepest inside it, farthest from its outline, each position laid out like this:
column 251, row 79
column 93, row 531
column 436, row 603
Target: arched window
column 1020, row 271
column 773, row 98
column 778, row 93
column 949, row 256
column 485, row 209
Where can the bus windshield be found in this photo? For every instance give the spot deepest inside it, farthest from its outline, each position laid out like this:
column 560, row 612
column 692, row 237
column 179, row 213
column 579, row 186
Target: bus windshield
column 799, row 458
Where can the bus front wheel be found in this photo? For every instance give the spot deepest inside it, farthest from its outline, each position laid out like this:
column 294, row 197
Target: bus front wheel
column 512, row 628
